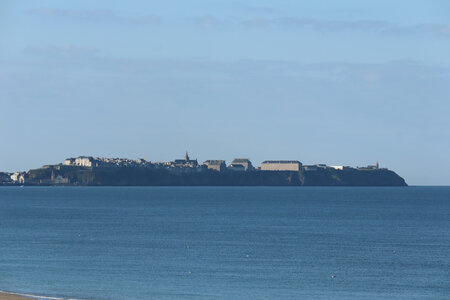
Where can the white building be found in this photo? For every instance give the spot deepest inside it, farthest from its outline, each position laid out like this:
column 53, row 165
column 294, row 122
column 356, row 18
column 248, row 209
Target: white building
column 15, row 177
column 84, row 161
column 338, row 167
column 69, row 162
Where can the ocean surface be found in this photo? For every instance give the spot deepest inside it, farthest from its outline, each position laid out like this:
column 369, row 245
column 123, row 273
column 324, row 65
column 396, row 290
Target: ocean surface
column 226, row 242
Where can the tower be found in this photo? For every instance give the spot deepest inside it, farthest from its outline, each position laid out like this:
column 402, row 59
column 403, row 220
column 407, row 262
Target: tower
column 377, row 165
column 186, row 157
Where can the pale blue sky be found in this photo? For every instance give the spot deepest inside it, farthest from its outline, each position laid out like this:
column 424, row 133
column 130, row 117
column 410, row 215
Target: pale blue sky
column 336, row 82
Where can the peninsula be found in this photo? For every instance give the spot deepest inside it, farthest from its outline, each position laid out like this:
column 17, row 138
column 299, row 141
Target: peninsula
column 94, row 171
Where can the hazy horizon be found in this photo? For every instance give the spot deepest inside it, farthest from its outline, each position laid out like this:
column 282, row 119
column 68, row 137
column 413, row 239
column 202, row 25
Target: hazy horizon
column 341, row 83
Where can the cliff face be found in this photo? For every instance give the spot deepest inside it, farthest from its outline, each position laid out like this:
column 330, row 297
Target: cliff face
column 376, row 177
column 162, row 177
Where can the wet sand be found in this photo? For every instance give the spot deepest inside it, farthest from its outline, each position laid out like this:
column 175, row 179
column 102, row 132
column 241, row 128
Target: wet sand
column 7, row 296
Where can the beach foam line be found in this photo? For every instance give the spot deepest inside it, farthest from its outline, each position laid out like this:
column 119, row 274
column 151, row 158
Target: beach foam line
column 37, row 296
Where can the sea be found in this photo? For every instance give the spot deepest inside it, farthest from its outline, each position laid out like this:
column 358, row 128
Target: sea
column 225, row 242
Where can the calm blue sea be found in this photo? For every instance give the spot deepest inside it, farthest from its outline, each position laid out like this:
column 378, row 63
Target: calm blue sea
column 226, row 242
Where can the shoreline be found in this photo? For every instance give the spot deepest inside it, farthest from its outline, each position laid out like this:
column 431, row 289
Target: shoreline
column 4, row 295
column 15, row 296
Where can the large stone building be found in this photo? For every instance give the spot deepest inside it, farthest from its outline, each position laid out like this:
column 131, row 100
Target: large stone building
column 217, row 165
column 240, row 163
column 82, row 161
column 281, row 165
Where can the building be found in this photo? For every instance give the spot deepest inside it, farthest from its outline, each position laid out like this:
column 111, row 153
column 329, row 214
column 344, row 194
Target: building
column 89, row 161
column 217, row 165
column 84, row 161
column 321, row 166
column 81, row 161
column 15, row 177
column 185, row 163
column 310, row 168
column 69, row 162
column 236, row 168
column 281, row 165
column 243, row 162
column 338, row 167
column 22, row 178
column 369, row 167
column 342, row 168
column 5, row 177
column 60, row 180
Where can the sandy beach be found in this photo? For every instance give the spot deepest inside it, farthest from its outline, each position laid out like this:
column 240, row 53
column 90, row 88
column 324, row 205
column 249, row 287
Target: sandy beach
column 7, row 296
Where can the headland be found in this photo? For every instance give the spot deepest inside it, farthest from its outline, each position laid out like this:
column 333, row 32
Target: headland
column 94, row 171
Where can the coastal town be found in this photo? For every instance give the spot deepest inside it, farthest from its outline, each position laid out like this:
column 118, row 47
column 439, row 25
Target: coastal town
column 184, row 165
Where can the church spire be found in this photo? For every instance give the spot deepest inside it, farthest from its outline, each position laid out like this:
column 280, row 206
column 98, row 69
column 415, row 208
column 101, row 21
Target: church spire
column 186, row 157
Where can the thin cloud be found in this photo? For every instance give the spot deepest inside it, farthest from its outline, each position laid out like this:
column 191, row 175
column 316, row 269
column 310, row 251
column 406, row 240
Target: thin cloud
column 261, row 9
column 87, row 58
column 61, row 51
column 422, row 28
column 209, row 22
column 333, row 26
column 212, row 22
column 256, row 23
column 99, row 15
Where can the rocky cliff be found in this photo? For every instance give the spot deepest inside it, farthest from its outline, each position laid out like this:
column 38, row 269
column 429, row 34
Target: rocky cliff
column 163, row 177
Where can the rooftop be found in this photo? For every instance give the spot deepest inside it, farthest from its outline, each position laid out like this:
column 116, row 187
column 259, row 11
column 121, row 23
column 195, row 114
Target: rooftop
column 281, row 162
column 241, row 160
column 214, row 162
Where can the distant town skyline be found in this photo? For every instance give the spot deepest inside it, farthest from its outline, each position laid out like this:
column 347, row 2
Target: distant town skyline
column 339, row 83
column 107, row 171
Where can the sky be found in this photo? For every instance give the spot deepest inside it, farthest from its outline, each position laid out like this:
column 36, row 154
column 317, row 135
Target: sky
column 335, row 82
